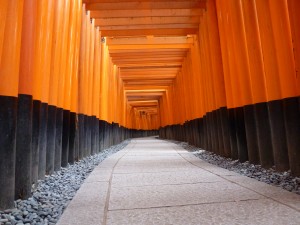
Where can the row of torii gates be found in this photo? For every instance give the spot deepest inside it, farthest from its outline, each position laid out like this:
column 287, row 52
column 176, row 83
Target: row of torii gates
column 78, row 76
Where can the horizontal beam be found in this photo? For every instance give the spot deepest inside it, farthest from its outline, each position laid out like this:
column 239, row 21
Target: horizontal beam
column 103, row 22
column 151, row 68
column 143, row 98
column 117, row 1
column 139, row 5
column 122, row 13
column 148, row 27
column 129, row 65
column 144, row 47
column 160, row 32
column 138, row 50
column 150, row 40
column 163, row 83
column 145, row 78
column 151, row 54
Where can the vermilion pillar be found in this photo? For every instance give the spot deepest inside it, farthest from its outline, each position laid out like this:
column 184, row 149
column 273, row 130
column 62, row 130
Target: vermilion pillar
column 10, row 36
column 25, row 104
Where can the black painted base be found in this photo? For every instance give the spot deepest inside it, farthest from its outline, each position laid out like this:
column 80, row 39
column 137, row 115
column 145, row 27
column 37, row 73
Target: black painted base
column 8, row 119
column 43, row 140
column 51, row 135
column 274, row 133
column 65, row 138
column 73, row 154
column 23, row 178
column 35, row 139
column 292, row 129
column 82, row 142
column 264, row 133
column 58, row 138
column 251, row 134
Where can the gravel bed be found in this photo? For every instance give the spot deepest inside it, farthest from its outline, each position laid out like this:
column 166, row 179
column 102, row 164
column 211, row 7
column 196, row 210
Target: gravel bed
column 52, row 195
column 269, row 176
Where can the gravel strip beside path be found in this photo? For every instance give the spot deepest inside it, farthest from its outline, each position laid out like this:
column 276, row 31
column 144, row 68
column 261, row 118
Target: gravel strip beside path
column 52, row 195
column 269, row 176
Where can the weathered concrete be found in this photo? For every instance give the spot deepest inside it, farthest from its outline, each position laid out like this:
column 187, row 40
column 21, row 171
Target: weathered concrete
column 156, row 182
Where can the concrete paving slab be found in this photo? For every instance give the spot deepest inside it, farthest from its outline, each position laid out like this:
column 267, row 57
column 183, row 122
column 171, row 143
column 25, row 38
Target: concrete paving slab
column 275, row 193
column 87, row 207
column 99, row 175
column 175, row 195
column 157, row 182
column 163, row 178
column 253, row 212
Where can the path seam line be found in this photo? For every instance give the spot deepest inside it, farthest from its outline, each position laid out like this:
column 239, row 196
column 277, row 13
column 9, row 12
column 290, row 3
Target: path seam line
column 104, row 222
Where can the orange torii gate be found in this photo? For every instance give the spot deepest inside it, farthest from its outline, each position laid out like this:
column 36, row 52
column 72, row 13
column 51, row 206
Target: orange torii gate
column 77, row 76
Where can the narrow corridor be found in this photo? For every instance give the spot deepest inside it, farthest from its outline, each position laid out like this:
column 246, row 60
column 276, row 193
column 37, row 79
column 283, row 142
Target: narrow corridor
column 152, row 181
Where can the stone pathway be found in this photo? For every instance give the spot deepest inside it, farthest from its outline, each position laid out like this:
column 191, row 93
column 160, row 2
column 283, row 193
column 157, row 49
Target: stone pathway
column 157, row 182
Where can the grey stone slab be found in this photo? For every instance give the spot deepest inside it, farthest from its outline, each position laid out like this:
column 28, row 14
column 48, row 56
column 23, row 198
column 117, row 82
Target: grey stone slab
column 87, row 207
column 252, row 212
column 276, row 193
column 99, row 175
column 174, row 195
column 157, row 182
column 176, row 177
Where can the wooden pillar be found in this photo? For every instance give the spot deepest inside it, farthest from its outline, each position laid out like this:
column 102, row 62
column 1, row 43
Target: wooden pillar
column 222, row 15
column 287, row 77
column 68, row 81
column 25, row 105
column 54, row 85
column 10, row 40
column 273, row 90
column 81, row 83
column 218, row 76
column 43, row 66
column 74, row 108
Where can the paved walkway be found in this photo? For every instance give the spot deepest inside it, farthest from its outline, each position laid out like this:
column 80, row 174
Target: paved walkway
column 157, row 182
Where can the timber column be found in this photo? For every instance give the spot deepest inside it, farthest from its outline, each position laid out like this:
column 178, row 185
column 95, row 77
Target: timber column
column 25, row 102
column 10, row 39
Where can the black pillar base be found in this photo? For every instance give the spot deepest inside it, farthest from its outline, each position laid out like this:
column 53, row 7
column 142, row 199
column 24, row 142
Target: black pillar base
column 58, row 138
column 241, row 134
column 43, row 140
column 292, row 129
column 65, row 138
column 35, row 139
column 23, row 147
column 72, row 138
column 51, row 136
column 8, row 119
column 251, row 134
column 263, row 135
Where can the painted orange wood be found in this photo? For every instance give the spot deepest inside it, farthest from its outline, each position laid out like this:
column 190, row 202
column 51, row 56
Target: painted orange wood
column 3, row 15
column 46, row 58
column 81, row 66
column 76, row 59
column 284, row 47
column 70, row 51
column 10, row 54
column 294, row 10
column 254, row 52
column 39, row 48
column 62, row 77
column 269, row 50
column 26, row 72
column 56, row 53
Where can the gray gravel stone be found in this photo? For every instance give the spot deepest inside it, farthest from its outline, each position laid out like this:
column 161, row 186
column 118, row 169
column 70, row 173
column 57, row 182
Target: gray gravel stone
column 269, row 176
column 51, row 196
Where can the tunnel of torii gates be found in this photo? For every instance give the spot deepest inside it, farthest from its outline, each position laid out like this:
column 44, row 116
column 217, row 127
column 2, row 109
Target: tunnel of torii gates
column 79, row 76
